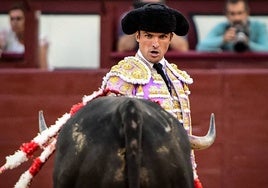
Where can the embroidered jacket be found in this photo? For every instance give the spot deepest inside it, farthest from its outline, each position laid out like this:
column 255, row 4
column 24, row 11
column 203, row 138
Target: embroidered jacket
column 134, row 77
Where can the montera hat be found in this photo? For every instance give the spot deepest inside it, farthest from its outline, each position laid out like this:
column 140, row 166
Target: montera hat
column 155, row 17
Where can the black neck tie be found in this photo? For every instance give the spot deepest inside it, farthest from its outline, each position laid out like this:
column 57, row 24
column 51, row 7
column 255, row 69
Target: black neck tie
column 158, row 68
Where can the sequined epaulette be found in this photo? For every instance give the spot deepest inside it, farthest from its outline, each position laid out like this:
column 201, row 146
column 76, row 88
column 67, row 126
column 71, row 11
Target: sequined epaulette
column 131, row 70
column 182, row 75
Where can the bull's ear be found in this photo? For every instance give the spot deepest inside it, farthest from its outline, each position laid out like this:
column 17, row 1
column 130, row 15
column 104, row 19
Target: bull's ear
column 42, row 122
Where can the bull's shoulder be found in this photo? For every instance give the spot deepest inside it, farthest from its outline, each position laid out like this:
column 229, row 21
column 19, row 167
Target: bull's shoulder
column 180, row 74
column 131, row 70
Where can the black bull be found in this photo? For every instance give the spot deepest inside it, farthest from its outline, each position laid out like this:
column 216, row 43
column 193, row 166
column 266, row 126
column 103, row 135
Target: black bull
column 120, row 142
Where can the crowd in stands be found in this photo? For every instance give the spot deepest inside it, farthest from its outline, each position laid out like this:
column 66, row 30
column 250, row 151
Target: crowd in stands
column 12, row 38
column 239, row 33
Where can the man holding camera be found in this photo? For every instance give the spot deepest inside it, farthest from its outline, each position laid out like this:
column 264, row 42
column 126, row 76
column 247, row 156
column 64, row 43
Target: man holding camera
column 238, row 33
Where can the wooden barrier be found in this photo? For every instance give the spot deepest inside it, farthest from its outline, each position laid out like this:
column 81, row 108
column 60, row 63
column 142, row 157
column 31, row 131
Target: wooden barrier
column 236, row 96
column 23, row 94
column 202, row 60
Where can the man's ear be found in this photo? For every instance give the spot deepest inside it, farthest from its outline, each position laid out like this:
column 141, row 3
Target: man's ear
column 171, row 35
column 137, row 36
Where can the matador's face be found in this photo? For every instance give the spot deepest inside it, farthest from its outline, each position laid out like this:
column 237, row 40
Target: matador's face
column 153, row 46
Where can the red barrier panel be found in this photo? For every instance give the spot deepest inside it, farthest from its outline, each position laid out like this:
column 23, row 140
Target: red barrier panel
column 236, row 96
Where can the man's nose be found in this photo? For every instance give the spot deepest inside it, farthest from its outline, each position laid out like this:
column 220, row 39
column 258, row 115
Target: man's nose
column 155, row 43
column 237, row 18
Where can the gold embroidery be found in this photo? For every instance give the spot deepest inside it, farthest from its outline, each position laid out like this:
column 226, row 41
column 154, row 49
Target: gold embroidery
column 157, row 77
column 132, row 70
column 182, row 75
column 125, row 87
column 114, row 79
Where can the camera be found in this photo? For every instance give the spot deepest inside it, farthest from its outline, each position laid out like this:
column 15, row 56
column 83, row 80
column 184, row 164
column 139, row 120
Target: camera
column 241, row 41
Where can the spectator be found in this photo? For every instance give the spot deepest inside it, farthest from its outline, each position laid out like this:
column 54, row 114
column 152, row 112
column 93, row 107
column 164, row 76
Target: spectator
column 128, row 42
column 149, row 75
column 238, row 33
column 12, row 40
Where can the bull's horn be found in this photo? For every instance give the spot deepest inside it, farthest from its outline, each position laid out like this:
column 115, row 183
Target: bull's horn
column 199, row 143
column 42, row 123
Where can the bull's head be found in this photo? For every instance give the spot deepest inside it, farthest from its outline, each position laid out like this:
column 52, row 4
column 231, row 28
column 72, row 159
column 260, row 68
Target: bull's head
column 197, row 142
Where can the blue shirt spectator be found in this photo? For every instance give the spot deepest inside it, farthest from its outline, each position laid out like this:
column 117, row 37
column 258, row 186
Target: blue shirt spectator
column 238, row 34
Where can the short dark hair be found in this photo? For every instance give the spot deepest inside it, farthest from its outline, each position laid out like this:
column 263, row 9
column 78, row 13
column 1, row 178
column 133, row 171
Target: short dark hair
column 227, row 2
column 17, row 6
